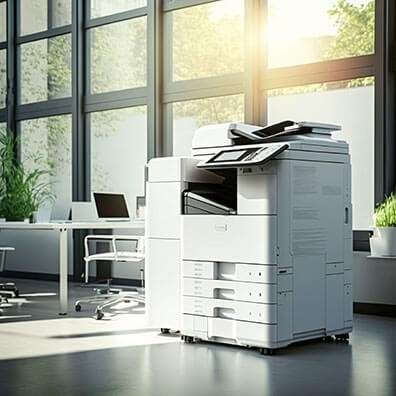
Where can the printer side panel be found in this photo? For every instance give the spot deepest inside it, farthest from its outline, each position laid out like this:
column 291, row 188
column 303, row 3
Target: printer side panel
column 318, row 246
column 167, row 179
column 348, row 246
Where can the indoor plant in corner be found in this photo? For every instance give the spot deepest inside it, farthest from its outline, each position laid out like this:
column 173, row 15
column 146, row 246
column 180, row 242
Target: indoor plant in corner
column 383, row 242
column 21, row 191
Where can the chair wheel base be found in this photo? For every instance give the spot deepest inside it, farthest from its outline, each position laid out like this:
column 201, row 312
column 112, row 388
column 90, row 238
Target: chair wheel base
column 77, row 307
column 99, row 315
column 165, row 330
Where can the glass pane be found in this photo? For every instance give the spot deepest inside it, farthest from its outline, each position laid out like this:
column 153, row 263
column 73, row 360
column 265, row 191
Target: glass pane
column 307, row 31
column 34, row 15
column 100, row 8
column 190, row 115
column 3, row 127
column 119, row 152
column 46, row 69
column 3, row 78
column 46, row 145
column 337, row 103
column 62, row 12
column 3, row 22
column 118, row 56
column 207, row 40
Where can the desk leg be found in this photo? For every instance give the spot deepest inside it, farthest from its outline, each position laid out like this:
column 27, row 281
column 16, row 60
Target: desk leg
column 63, row 270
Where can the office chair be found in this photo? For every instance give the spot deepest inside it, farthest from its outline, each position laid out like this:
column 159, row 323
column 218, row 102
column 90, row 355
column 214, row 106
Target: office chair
column 8, row 289
column 108, row 296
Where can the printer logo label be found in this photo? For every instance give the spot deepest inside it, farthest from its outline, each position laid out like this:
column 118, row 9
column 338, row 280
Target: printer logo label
column 221, row 227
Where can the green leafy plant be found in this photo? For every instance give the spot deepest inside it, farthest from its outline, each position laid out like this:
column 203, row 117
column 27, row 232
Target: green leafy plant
column 385, row 213
column 21, row 191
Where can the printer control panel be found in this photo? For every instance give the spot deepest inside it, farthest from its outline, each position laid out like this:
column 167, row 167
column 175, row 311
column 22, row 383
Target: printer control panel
column 243, row 156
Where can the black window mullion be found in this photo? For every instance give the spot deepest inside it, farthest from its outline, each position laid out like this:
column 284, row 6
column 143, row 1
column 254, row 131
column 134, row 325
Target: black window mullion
column 12, row 23
column 78, row 77
column 114, row 18
column 46, row 34
column 50, row 14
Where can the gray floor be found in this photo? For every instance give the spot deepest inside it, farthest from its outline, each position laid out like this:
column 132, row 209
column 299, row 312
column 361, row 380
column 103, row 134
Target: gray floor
column 160, row 365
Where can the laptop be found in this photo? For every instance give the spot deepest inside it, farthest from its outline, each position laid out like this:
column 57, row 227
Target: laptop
column 111, row 207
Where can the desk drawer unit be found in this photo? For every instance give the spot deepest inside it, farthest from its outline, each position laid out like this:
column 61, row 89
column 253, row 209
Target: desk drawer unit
column 229, row 271
column 236, row 310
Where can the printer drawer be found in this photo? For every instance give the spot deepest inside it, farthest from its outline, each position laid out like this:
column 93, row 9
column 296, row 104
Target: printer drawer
column 237, row 310
column 243, row 239
column 230, row 271
column 241, row 332
column 228, row 290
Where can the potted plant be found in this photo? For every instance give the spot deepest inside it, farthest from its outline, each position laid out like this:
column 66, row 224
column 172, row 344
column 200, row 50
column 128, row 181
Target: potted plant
column 21, row 191
column 383, row 242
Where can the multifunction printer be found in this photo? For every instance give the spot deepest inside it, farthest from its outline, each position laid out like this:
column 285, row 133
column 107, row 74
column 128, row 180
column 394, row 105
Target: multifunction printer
column 249, row 240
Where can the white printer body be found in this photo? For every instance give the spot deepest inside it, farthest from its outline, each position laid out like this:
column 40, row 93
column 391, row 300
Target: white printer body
column 251, row 253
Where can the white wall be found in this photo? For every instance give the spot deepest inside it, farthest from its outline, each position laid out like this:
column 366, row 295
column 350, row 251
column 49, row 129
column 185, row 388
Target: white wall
column 374, row 280
column 35, row 251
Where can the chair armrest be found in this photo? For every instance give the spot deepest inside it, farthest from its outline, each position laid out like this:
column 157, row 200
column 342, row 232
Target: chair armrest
column 138, row 238
column 97, row 238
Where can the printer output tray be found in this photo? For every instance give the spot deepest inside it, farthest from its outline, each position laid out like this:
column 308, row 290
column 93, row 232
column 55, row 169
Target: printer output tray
column 194, row 203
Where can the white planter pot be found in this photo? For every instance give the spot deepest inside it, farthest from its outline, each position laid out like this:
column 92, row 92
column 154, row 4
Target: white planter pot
column 383, row 242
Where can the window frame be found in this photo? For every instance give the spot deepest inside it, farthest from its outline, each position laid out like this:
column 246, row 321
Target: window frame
column 161, row 91
column 4, row 47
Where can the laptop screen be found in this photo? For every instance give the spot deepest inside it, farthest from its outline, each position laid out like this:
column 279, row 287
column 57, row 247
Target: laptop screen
column 111, row 206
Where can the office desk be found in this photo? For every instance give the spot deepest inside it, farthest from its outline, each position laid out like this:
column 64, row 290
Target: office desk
column 62, row 229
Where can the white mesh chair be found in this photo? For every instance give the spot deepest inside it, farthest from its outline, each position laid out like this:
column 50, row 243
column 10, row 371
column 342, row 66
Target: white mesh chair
column 8, row 289
column 110, row 296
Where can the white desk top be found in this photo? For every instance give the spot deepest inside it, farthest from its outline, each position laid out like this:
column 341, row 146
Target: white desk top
column 109, row 225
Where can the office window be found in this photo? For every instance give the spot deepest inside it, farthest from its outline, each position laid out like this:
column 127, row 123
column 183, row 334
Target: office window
column 307, row 31
column 350, row 104
column 188, row 116
column 100, row 8
column 36, row 15
column 3, row 78
column 118, row 56
column 46, row 145
column 119, row 151
column 46, row 69
column 3, row 21
column 62, row 12
column 207, row 40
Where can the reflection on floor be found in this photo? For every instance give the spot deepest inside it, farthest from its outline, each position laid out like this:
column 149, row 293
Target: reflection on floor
column 32, row 327
column 77, row 355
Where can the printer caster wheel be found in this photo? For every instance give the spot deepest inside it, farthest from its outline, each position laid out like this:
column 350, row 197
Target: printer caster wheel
column 99, row 315
column 267, row 351
column 187, row 339
column 77, row 307
column 165, row 330
column 342, row 338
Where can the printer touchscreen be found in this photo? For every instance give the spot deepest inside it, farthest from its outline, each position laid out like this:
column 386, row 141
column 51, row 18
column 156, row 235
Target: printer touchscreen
column 234, row 155
column 243, row 157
